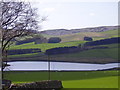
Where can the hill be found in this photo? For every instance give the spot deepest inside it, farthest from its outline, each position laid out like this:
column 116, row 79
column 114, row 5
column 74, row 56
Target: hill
column 58, row 32
column 96, row 55
column 80, row 36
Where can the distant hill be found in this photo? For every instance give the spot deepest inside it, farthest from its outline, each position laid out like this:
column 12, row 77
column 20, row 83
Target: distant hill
column 59, row 32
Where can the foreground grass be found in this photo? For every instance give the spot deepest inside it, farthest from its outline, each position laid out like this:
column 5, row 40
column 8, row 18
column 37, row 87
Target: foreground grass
column 76, row 79
column 104, row 82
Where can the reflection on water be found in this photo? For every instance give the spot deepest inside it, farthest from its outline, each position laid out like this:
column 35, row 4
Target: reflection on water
column 40, row 65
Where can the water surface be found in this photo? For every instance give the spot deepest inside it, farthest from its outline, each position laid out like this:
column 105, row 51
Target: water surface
column 43, row 65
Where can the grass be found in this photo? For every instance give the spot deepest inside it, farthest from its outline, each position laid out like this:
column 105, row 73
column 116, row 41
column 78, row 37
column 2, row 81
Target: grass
column 24, row 55
column 111, row 52
column 105, row 82
column 75, row 79
column 111, row 33
column 45, row 46
column 112, row 45
column 81, row 35
column 69, row 40
column 107, row 55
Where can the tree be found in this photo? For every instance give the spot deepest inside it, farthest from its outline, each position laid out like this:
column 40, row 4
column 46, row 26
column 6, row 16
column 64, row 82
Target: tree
column 54, row 40
column 88, row 39
column 18, row 19
column 39, row 38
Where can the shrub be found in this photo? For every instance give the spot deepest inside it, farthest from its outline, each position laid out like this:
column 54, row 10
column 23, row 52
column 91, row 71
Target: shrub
column 61, row 50
column 103, row 42
column 24, row 41
column 40, row 40
column 23, row 51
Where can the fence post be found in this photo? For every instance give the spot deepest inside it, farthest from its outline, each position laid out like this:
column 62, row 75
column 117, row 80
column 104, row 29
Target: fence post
column 48, row 67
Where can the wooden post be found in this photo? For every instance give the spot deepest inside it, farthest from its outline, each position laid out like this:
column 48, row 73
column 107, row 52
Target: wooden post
column 0, row 59
column 1, row 45
column 48, row 67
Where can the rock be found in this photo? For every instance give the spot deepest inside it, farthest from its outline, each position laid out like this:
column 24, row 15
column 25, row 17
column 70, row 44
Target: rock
column 6, row 83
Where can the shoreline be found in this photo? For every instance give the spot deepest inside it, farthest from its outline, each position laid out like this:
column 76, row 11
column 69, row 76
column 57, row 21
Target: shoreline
column 115, row 68
column 60, row 61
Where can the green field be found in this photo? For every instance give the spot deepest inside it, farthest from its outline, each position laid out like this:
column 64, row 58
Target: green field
column 45, row 46
column 95, row 53
column 75, row 79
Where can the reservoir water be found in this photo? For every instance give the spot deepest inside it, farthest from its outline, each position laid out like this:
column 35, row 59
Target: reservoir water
column 43, row 65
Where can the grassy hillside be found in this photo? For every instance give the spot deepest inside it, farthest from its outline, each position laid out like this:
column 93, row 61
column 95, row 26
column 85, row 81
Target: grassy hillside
column 107, row 55
column 81, row 35
column 102, row 53
column 78, row 36
column 81, row 79
column 112, row 33
column 45, row 46
column 92, row 56
column 69, row 40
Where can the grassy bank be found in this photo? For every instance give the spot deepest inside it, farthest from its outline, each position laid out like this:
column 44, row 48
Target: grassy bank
column 76, row 79
column 94, row 53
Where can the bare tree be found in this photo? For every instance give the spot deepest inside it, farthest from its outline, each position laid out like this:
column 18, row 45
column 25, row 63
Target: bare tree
column 18, row 19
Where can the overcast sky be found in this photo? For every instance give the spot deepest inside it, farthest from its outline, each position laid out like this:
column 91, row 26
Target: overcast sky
column 72, row 14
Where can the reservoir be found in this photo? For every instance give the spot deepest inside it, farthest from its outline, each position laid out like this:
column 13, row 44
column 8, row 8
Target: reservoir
column 44, row 65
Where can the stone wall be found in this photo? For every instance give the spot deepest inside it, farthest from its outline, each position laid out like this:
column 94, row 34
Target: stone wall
column 42, row 85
